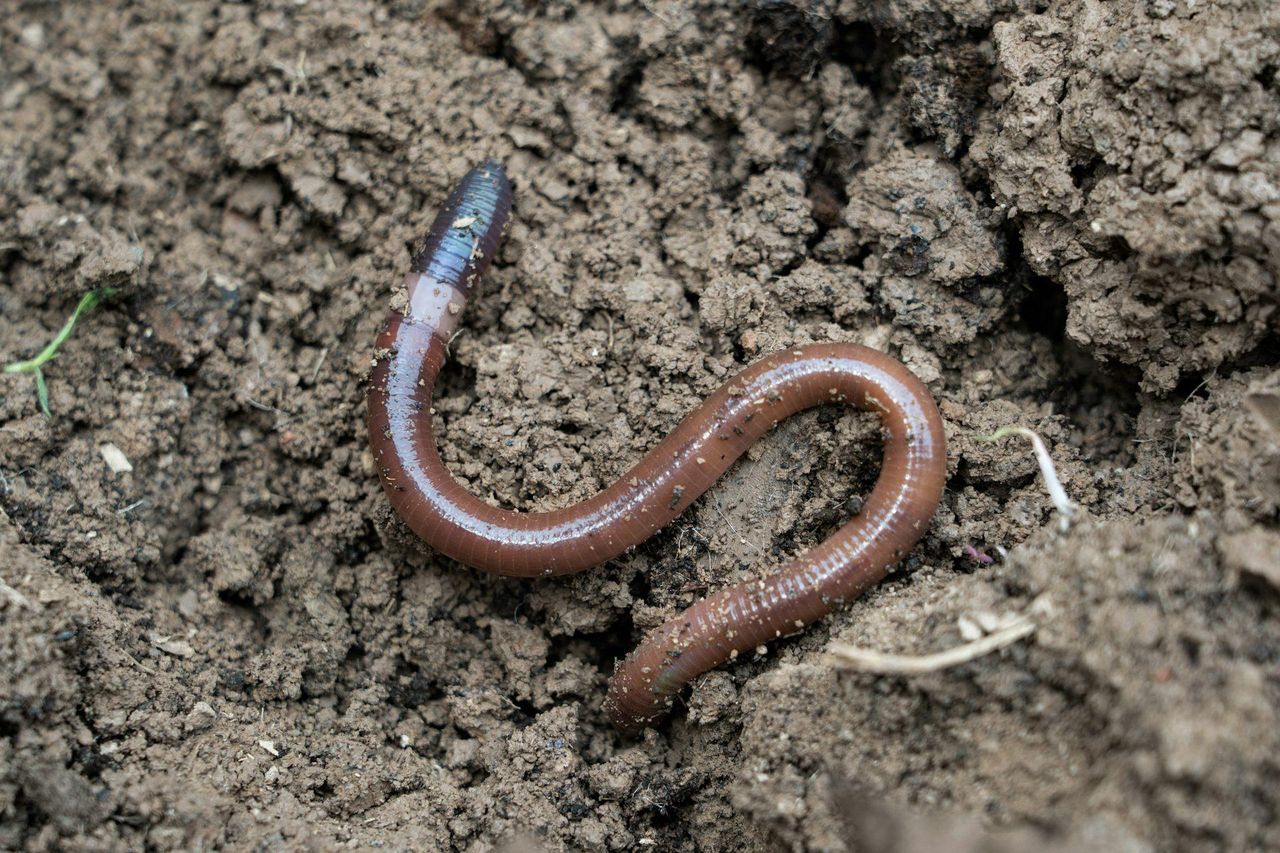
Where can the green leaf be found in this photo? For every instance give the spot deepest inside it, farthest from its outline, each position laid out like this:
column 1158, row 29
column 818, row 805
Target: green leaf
column 34, row 365
column 42, row 393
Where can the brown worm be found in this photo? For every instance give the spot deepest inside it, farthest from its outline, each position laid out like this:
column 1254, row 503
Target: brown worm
column 410, row 352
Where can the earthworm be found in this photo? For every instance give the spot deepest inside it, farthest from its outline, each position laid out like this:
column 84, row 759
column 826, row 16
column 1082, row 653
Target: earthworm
column 410, row 352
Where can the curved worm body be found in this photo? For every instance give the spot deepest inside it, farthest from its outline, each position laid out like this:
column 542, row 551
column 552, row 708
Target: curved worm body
column 411, row 350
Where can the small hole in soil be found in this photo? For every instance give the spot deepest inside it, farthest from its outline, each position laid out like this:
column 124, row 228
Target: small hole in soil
column 1192, row 385
column 1268, row 76
column 1192, row 648
column 826, row 192
column 527, row 709
column 236, row 598
column 1045, row 309
column 1084, row 175
column 857, row 46
column 411, row 687
column 611, row 645
column 626, row 79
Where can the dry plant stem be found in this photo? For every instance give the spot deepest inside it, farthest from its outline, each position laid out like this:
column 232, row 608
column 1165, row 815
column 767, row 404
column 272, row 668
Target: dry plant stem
column 867, row 660
column 1066, row 508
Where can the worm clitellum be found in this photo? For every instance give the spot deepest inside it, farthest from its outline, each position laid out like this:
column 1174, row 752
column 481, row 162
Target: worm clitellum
column 410, row 351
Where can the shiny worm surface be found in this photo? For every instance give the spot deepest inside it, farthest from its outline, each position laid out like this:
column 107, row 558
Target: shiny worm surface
column 410, row 352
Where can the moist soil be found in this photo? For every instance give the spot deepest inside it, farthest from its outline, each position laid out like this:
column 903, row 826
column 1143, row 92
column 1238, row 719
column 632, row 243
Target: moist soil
column 1063, row 216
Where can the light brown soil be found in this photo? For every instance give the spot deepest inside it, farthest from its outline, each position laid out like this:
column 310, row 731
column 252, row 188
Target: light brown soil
column 1064, row 216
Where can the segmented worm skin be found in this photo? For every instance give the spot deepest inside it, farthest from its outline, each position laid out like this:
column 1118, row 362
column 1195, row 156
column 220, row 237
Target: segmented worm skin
column 411, row 350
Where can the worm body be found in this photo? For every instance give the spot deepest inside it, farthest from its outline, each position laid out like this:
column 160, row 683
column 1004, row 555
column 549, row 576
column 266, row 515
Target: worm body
column 411, row 350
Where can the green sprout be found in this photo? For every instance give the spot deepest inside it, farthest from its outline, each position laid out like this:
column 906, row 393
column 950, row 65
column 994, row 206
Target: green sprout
column 34, row 365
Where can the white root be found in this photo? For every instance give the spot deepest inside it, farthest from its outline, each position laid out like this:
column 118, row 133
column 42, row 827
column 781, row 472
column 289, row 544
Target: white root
column 1065, row 506
column 867, row 660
